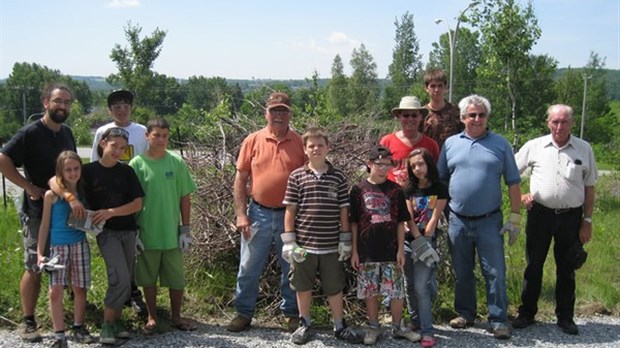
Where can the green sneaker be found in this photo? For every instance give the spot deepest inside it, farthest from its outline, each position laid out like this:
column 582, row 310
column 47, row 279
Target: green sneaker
column 120, row 331
column 107, row 333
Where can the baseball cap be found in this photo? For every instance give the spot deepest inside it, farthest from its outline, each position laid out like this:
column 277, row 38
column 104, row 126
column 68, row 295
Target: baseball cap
column 120, row 94
column 278, row 99
column 379, row 152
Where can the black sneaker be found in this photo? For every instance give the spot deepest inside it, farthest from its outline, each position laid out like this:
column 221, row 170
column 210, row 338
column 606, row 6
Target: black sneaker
column 60, row 343
column 81, row 335
column 348, row 335
column 302, row 334
column 29, row 332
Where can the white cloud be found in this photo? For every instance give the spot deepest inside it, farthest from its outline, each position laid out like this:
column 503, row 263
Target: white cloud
column 123, row 3
column 336, row 42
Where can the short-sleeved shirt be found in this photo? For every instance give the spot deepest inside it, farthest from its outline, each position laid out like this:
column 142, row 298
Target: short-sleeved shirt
column 559, row 175
column 424, row 201
column 136, row 145
column 319, row 199
column 378, row 210
column 165, row 181
column 473, row 169
column 269, row 163
column 110, row 188
column 35, row 147
column 400, row 151
column 441, row 124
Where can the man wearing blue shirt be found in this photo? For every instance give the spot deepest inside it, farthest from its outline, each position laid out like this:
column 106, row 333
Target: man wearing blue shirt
column 473, row 163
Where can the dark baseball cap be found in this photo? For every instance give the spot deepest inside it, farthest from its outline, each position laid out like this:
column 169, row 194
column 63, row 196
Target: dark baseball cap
column 278, row 99
column 379, row 152
column 120, row 95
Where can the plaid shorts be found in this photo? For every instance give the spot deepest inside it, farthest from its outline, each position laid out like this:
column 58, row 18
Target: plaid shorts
column 76, row 258
column 380, row 278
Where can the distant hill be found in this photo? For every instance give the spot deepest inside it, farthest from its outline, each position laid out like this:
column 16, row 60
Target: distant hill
column 612, row 76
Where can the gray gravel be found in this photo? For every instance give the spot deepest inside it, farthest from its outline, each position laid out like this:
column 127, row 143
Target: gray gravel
column 596, row 331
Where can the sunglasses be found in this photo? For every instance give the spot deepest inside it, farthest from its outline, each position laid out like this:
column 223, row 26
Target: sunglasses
column 474, row 115
column 414, row 115
column 116, row 132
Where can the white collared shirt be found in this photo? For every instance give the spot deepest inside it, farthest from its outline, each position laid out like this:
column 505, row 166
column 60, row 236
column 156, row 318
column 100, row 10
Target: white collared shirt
column 559, row 175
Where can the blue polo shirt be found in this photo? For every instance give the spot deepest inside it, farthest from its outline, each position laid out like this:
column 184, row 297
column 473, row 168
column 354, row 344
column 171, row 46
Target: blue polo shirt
column 473, row 169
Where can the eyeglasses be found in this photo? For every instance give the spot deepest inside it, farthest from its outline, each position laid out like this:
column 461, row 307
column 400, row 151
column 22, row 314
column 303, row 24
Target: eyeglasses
column 382, row 165
column 474, row 115
column 62, row 102
column 116, row 132
column 414, row 115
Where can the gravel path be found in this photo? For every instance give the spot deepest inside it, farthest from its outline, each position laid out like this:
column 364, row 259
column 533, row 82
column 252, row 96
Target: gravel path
column 596, row 332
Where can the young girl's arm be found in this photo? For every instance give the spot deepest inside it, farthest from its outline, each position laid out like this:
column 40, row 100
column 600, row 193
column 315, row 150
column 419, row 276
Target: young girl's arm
column 46, row 219
column 432, row 223
column 413, row 227
column 77, row 208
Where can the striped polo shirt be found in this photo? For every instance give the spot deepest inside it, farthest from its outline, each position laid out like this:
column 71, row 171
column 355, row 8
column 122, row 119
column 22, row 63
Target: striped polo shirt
column 319, row 198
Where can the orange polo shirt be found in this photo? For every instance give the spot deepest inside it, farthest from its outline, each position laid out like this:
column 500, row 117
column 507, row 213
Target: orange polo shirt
column 270, row 162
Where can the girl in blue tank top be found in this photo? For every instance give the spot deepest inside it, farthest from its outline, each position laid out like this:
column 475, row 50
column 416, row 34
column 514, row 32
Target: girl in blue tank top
column 70, row 246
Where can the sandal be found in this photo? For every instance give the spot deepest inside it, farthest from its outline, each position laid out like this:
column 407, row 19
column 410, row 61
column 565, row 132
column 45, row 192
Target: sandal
column 428, row 341
column 149, row 329
column 184, row 325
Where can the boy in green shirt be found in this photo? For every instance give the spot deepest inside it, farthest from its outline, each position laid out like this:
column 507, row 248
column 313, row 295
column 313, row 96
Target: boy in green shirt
column 164, row 230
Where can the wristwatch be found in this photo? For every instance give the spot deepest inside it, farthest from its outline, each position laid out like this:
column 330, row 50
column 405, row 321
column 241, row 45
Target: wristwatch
column 588, row 219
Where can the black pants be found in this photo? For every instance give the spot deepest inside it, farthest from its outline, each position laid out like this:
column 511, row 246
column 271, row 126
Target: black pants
column 543, row 224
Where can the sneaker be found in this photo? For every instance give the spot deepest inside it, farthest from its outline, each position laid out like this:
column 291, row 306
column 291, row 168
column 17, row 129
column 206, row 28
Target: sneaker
column 371, row 335
column 302, row 334
column 29, row 332
column 501, row 332
column 410, row 335
column 60, row 343
column 568, row 326
column 81, row 335
column 349, row 335
column 120, row 331
column 522, row 321
column 239, row 323
column 292, row 323
column 107, row 335
column 461, row 322
column 136, row 303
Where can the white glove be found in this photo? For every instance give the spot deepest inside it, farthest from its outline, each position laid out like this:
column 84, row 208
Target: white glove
column 185, row 238
column 513, row 226
column 345, row 246
column 139, row 244
column 50, row 264
column 421, row 249
column 288, row 238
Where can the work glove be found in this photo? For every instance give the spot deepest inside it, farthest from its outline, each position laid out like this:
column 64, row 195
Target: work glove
column 422, row 250
column 86, row 224
column 51, row 264
column 185, row 238
column 290, row 247
column 139, row 244
column 345, row 246
column 513, row 227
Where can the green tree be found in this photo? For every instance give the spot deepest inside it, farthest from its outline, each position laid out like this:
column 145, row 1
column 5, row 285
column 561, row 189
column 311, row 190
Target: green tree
column 364, row 86
column 167, row 95
column 337, row 97
column 466, row 60
column 135, row 63
column 406, row 65
column 508, row 33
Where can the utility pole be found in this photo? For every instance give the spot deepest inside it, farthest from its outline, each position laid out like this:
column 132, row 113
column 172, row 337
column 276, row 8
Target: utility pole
column 586, row 77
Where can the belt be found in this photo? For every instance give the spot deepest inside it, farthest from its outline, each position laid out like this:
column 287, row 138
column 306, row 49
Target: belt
column 476, row 217
column 558, row 211
column 270, row 208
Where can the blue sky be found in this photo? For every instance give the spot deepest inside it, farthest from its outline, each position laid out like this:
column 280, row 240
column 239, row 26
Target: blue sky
column 270, row 39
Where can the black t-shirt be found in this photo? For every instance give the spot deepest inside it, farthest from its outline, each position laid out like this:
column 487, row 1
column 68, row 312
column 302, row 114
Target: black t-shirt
column 111, row 188
column 423, row 201
column 36, row 148
column 378, row 209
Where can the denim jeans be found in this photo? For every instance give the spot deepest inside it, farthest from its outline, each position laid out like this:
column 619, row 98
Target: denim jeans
column 466, row 237
column 267, row 224
column 418, row 282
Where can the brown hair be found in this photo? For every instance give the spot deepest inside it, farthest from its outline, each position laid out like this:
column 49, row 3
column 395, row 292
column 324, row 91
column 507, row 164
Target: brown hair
column 314, row 132
column 60, row 165
column 435, row 74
